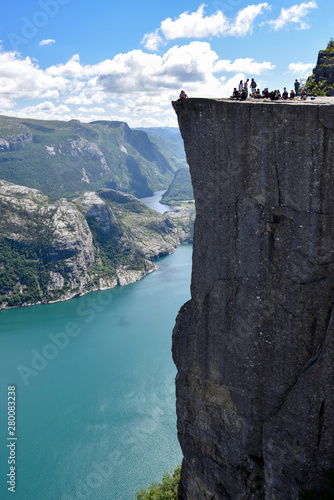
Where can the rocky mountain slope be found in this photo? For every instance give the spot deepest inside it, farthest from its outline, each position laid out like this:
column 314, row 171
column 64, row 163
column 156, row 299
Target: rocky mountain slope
column 254, row 347
column 321, row 82
column 55, row 250
column 169, row 141
column 64, row 159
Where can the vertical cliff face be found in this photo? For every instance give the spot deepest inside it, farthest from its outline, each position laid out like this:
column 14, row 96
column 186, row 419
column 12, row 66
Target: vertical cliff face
column 254, row 347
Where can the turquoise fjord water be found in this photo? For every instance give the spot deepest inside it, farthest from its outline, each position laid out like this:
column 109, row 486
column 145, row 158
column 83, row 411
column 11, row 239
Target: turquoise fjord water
column 95, row 393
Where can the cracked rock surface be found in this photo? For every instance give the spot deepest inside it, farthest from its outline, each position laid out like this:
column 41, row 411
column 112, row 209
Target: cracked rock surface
column 254, row 347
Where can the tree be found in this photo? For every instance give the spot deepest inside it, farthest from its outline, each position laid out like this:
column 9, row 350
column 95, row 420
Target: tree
column 167, row 490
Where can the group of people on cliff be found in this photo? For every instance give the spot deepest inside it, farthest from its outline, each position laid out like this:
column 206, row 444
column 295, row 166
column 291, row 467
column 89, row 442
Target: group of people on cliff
column 246, row 89
column 249, row 89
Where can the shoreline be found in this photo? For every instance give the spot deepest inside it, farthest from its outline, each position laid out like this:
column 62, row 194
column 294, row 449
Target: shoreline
column 98, row 289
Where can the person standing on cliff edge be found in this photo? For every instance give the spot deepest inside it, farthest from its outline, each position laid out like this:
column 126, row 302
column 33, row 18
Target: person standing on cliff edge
column 297, row 84
column 246, row 86
column 253, row 87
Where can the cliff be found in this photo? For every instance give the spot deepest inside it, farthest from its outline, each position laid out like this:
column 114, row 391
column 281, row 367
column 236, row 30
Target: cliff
column 254, row 347
column 321, row 82
column 53, row 251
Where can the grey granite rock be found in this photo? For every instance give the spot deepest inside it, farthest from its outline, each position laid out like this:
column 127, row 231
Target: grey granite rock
column 254, row 347
column 323, row 73
column 15, row 143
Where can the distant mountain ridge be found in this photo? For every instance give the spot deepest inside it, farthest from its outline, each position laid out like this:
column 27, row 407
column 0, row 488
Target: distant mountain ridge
column 66, row 159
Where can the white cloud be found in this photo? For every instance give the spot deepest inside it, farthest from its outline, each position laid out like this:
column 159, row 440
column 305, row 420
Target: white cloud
column 134, row 84
column 50, row 94
column 136, row 87
column 245, row 18
column 86, row 98
column 42, row 106
column 300, row 68
column 134, row 71
column 112, row 105
column 193, row 64
column 246, row 65
column 43, row 111
column 48, row 41
column 152, row 41
column 23, row 79
column 5, row 104
column 46, row 106
column 71, row 69
column 197, row 25
column 137, row 72
column 91, row 110
column 294, row 15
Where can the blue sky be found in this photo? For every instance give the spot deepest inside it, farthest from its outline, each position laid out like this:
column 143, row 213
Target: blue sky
column 90, row 60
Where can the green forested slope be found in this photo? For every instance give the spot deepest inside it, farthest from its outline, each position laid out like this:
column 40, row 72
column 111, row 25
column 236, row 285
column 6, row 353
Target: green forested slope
column 65, row 159
column 180, row 189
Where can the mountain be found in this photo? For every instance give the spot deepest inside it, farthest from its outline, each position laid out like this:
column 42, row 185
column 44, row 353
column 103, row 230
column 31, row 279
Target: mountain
column 168, row 140
column 321, row 82
column 55, row 250
column 66, row 159
column 180, row 189
column 169, row 133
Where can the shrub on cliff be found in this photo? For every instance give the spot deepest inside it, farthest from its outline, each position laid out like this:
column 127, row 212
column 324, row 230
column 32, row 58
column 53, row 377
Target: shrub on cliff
column 317, row 89
column 167, row 490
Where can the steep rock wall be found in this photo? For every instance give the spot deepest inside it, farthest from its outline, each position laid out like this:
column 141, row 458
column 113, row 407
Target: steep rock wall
column 254, row 346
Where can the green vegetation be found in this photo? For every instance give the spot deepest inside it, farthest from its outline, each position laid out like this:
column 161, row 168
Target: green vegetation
column 330, row 46
column 318, row 83
column 145, row 227
column 54, row 250
column 24, row 272
column 180, row 189
column 112, row 253
column 65, row 159
column 189, row 204
column 326, row 492
column 317, row 89
column 166, row 490
column 47, row 251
